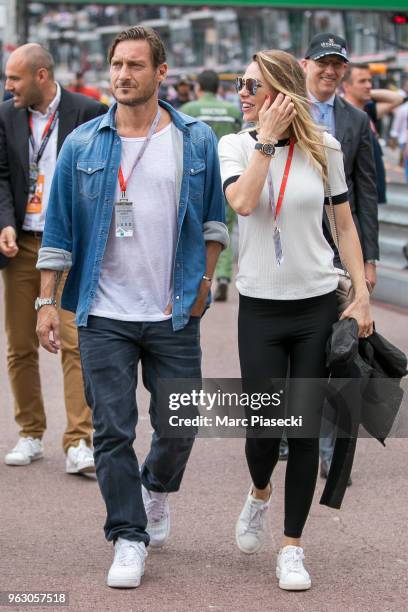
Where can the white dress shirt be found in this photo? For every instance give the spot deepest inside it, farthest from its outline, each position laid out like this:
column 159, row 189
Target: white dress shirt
column 35, row 221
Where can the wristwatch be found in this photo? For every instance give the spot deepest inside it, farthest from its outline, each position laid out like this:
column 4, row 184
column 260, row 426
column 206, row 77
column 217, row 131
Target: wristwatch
column 266, row 148
column 40, row 302
column 371, row 261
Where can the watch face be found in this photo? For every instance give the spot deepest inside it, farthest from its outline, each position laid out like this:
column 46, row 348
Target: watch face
column 268, row 149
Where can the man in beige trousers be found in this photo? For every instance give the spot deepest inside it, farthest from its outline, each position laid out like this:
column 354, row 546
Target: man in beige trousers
column 33, row 127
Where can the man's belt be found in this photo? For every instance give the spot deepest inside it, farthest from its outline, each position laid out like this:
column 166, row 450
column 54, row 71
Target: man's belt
column 33, row 234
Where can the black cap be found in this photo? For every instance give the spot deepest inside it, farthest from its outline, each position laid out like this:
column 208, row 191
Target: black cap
column 326, row 44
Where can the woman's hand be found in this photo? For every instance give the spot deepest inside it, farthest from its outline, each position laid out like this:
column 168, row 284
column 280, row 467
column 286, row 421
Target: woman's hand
column 274, row 119
column 359, row 310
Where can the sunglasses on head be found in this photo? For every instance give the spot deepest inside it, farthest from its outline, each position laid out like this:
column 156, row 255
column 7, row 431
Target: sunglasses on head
column 251, row 85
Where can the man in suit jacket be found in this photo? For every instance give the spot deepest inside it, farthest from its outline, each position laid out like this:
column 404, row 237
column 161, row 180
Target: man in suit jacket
column 324, row 65
column 33, row 127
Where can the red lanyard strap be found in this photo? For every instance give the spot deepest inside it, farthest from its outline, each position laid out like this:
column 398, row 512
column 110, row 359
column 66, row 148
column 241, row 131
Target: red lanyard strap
column 121, row 178
column 276, row 209
column 51, row 123
column 122, row 182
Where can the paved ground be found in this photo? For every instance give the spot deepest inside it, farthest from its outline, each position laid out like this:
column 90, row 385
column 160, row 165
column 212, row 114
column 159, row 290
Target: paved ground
column 395, row 172
column 51, row 529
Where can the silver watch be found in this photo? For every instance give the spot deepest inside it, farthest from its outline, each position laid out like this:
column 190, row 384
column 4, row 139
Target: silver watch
column 40, row 302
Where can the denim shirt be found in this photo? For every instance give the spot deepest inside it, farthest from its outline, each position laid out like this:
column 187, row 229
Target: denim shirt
column 81, row 203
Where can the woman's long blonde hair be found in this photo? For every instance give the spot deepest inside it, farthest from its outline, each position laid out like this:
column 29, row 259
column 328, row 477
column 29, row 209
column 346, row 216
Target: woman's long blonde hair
column 283, row 72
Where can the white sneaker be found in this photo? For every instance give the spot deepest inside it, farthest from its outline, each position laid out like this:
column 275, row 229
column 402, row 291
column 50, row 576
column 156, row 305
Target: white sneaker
column 290, row 572
column 80, row 459
column 128, row 564
column 25, row 451
column 158, row 516
column 250, row 529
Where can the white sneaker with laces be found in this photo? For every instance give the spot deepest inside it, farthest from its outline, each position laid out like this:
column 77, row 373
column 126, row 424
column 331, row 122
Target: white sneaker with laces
column 290, row 571
column 250, row 529
column 128, row 564
column 25, row 451
column 80, row 459
column 158, row 516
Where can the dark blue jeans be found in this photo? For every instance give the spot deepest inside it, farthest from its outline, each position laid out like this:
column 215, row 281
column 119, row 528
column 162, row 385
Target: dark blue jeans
column 110, row 353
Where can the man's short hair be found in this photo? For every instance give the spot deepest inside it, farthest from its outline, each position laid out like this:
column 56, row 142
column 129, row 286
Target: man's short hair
column 37, row 57
column 208, row 81
column 348, row 75
column 157, row 51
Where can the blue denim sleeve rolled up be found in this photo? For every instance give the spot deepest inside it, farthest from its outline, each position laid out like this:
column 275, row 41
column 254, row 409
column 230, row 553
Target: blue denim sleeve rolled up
column 82, row 200
column 213, row 229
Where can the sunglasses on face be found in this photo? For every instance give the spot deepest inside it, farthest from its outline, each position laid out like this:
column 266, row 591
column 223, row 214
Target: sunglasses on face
column 251, row 85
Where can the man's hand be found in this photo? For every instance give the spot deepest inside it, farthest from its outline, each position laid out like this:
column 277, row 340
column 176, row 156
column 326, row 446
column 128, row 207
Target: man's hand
column 8, row 245
column 48, row 328
column 370, row 274
column 201, row 301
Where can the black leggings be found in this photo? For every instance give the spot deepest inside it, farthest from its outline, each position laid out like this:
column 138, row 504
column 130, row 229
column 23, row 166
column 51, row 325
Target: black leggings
column 275, row 335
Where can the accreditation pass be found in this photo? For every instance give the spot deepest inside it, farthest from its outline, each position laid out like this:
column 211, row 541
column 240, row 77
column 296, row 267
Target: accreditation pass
column 123, row 218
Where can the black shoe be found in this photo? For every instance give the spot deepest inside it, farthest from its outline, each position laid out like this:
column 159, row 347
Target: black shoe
column 325, row 469
column 221, row 291
column 283, row 450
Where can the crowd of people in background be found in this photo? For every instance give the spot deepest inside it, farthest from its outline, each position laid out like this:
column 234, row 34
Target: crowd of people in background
column 387, row 108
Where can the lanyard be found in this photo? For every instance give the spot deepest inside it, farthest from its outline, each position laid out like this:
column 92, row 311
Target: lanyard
column 276, row 209
column 51, row 123
column 122, row 182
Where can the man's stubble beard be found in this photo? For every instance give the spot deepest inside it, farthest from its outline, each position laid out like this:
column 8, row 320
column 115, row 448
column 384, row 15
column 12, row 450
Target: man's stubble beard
column 33, row 97
column 140, row 101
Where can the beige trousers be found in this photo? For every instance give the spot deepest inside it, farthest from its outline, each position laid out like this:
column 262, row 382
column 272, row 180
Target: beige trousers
column 21, row 287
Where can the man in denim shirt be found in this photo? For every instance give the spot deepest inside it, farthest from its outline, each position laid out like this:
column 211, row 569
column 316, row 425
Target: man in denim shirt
column 137, row 214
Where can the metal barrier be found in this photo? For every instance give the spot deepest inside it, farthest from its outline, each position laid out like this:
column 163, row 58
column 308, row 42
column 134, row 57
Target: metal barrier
column 392, row 271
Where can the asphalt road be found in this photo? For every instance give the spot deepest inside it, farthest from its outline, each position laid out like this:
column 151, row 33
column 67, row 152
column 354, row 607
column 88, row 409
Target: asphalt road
column 51, row 536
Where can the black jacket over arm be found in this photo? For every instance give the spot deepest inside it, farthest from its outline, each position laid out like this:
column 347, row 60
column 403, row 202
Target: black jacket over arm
column 365, row 388
column 74, row 108
column 353, row 133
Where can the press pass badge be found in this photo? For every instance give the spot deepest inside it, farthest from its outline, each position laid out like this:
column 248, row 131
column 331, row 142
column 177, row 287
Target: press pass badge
column 123, row 219
column 278, row 245
column 276, row 210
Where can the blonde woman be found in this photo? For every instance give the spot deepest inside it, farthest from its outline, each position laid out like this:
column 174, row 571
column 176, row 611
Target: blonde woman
column 274, row 177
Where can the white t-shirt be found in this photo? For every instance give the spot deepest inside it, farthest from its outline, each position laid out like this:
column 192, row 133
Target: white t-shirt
column 135, row 282
column 307, row 269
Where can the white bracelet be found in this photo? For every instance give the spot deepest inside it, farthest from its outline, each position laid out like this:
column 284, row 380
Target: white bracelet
column 207, row 278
